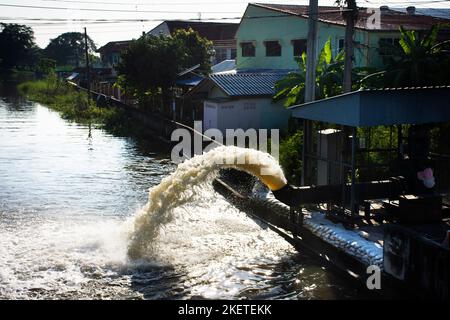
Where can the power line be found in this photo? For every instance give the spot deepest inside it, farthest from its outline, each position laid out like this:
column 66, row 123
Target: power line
column 108, row 10
column 168, row 3
column 146, row 4
column 226, row 2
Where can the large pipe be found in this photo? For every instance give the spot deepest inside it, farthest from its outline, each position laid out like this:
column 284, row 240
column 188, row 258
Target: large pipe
column 295, row 196
column 272, row 176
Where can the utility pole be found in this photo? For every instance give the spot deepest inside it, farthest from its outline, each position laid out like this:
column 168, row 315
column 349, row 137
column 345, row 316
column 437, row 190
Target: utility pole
column 350, row 16
column 88, row 70
column 310, row 83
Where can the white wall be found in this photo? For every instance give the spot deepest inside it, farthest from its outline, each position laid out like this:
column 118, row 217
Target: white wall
column 244, row 114
column 209, row 115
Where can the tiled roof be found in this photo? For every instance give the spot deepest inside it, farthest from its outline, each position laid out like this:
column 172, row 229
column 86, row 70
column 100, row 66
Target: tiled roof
column 391, row 20
column 247, row 84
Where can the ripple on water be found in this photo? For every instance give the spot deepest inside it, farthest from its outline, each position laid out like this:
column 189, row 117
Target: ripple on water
column 66, row 201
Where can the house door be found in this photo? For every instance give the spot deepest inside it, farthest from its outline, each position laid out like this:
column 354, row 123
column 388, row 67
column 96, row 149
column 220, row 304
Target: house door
column 250, row 116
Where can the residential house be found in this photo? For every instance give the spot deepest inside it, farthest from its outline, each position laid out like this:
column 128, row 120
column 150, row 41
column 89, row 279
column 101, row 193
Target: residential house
column 221, row 34
column 110, row 53
column 270, row 36
column 242, row 100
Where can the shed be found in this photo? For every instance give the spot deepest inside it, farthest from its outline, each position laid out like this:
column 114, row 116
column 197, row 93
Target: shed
column 380, row 107
column 372, row 108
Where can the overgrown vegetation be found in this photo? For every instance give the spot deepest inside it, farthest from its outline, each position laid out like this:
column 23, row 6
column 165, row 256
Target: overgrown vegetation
column 74, row 105
column 149, row 67
column 291, row 155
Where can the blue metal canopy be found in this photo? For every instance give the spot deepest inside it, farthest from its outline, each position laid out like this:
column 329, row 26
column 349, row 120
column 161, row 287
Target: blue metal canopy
column 367, row 108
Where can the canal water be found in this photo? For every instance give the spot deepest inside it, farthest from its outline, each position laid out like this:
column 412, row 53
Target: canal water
column 68, row 194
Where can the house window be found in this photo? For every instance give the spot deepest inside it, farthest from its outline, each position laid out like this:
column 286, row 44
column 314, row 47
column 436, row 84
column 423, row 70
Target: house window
column 233, row 54
column 341, row 45
column 248, row 49
column 299, row 47
column 273, row 48
column 387, row 46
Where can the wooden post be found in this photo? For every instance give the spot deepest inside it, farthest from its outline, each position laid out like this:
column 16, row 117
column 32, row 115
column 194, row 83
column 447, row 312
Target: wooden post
column 88, row 71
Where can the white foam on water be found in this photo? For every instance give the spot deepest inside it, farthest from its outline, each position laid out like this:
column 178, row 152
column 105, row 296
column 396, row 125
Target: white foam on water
column 219, row 247
column 58, row 256
column 188, row 180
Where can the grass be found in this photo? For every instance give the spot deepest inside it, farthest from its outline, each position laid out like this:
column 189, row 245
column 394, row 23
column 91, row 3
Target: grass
column 74, row 105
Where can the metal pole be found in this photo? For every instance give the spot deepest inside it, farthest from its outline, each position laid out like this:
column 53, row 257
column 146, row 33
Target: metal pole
column 304, row 152
column 350, row 17
column 88, row 71
column 399, row 142
column 353, row 162
column 310, row 82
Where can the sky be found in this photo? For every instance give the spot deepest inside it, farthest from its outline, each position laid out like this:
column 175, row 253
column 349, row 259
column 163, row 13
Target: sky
column 58, row 16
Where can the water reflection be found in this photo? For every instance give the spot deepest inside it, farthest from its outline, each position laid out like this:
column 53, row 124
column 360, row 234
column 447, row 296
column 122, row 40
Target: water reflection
column 67, row 194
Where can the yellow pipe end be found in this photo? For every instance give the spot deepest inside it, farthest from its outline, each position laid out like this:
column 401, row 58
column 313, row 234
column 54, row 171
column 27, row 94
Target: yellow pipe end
column 272, row 177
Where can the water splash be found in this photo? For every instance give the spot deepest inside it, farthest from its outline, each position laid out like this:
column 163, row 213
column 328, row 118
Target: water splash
column 181, row 186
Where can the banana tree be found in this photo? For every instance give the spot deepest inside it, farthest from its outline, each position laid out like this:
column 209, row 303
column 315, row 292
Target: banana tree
column 329, row 76
column 417, row 61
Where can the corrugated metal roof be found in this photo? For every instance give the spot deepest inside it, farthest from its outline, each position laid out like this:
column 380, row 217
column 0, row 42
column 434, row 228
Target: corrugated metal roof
column 387, row 106
column 224, row 66
column 190, row 82
column 247, row 84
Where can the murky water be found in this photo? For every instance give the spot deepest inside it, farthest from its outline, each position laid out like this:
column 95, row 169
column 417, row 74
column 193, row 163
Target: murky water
column 68, row 194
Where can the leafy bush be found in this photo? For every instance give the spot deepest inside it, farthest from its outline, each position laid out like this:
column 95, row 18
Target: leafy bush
column 291, row 156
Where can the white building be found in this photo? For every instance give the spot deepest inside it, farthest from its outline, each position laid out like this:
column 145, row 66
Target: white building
column 242, row 100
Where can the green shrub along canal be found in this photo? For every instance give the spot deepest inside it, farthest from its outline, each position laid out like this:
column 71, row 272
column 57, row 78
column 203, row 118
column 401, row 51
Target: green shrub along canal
column 68, row 194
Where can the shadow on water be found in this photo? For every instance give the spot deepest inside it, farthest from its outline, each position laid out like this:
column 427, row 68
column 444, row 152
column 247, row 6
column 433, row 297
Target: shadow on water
column 9, row 94
column 157, row 283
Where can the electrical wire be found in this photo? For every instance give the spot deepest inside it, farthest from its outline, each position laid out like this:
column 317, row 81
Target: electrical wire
column 162, row 3
column 108, row 10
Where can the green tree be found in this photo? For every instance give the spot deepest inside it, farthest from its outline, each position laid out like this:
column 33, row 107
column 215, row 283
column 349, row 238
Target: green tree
column 419, row 60
column 69, row 49
column 45, row 66
column 195, row 50
column 149, row 67
column 17, row 47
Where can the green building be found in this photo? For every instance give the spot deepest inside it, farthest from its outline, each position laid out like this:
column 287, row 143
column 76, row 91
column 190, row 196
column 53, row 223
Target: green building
column 270, row 35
